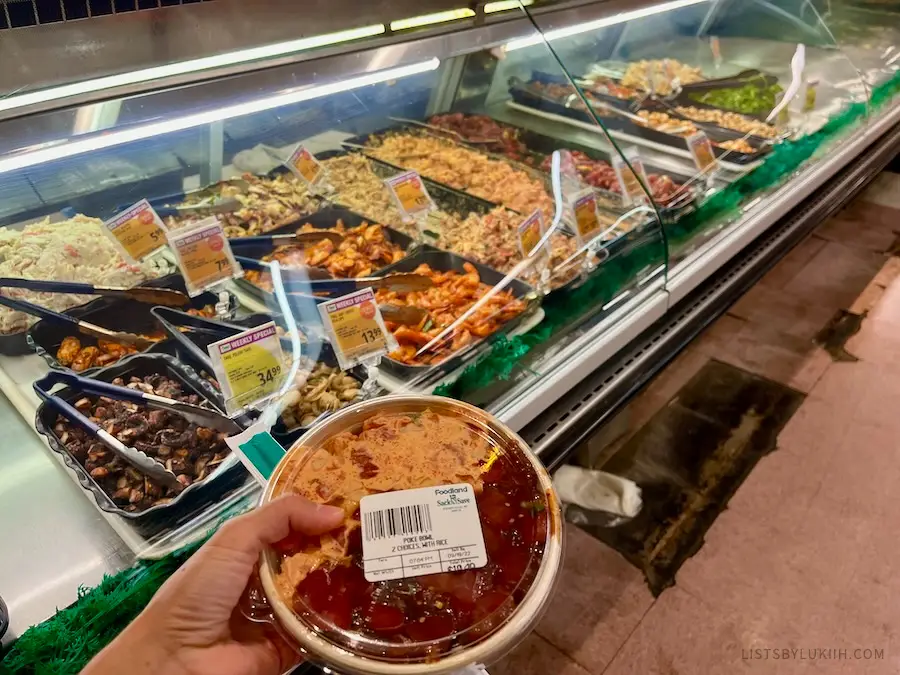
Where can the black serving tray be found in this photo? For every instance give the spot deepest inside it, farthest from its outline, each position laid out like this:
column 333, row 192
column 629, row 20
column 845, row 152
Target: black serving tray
column 446, row 198
column 196, row 497
column 618, row 123
column 324, row 219
column 45, row 337
column 444, row 261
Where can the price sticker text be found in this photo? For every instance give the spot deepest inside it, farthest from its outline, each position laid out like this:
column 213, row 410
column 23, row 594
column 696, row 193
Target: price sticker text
column 204, row 255
column 356, row 327
column 249, row 366
column 138, row 231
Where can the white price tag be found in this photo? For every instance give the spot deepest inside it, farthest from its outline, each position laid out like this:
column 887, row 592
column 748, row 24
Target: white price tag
column 627, row 173
column 410, row 194
column 137, row 231
column 410, row 533
column 356, row 328
column 305, row 165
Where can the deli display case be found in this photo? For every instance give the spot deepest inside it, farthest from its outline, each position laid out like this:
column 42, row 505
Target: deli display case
column 493, row 202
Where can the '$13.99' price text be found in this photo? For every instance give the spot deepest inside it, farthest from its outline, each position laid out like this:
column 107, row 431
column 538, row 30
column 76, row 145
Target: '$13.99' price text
column 371, row 335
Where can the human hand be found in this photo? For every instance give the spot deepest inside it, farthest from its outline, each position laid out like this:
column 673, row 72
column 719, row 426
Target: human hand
column 192, row 626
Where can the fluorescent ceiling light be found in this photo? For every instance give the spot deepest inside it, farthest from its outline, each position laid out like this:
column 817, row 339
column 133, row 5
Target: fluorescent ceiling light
column 599, row 23
column 144, row 131
column 429, row 19
column 182, row 67
column 504, row 5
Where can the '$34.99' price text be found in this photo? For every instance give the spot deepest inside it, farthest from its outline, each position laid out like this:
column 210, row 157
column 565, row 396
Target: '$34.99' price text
column 268, row 376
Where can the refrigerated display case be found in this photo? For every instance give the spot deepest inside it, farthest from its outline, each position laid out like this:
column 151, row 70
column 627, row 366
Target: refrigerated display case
column 529, row 190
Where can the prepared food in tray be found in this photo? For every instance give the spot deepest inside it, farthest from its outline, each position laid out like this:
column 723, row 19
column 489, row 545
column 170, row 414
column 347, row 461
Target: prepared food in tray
column 492, row 240
column 71, row 250
column 749, row 99
column 191, row 452
column 365, row 249
column 518, row 144
column 453, row 293
column 319, row 389
column 495, row 180
column 417, row 619
column 263, row 203
column 660, row 76
column 678, row 126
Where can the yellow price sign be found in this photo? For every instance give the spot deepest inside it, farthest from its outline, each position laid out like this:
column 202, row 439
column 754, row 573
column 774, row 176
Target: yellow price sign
column 356, row 328
column 410, row 193
column 587, row 222
column 249, row 366
column 627, row 173
column 530, row 232
column 303, row 163
column 137, row 231
column 702, row 152
column 204, row 255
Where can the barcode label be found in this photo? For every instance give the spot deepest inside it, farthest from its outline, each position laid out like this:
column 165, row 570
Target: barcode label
column 410, row 533
column 403, row 520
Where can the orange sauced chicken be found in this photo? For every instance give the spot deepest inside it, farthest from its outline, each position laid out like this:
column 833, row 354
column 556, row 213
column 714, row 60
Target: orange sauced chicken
column 447, row 300
column 364, row 250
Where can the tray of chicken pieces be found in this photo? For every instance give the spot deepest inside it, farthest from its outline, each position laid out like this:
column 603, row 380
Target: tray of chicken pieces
column 366, row 249
column 457, row 285
column 198, row 456
column 65, row 349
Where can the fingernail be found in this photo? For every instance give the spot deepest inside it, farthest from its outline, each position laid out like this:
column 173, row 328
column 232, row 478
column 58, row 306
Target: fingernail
column 330, row 511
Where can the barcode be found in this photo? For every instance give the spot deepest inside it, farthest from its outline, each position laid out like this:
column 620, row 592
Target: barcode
column 403, row 520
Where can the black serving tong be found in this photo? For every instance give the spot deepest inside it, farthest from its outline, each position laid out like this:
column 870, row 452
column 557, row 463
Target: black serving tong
column 741, row 79
column 146, row 294
column 84, row 327
column 296, row 238
column 173, row 321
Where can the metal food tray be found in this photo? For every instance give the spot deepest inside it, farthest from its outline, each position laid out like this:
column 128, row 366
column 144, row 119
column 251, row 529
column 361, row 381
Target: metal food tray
column 45, row 337
column 447, row 199
column 443, row 261
column 480, row 204
column 324, row 219
column 618, row 123
column 164, row 517
column 286, row 436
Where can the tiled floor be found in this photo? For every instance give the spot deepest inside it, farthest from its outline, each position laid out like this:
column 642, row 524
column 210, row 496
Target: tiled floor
column 800, row 573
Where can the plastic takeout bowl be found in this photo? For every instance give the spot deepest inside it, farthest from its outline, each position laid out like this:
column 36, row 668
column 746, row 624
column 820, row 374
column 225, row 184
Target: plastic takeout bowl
column 349, row 651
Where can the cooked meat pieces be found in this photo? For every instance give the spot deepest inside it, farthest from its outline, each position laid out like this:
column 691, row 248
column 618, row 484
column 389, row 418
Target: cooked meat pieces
column 729, row 120
column 191, row 452
column 660, row 76
column 446, row 162
column 364, row 250
column 488, row 134
column 448, row 299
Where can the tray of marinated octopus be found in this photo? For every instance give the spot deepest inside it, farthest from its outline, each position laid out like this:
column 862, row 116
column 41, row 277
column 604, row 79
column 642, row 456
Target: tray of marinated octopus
column 199, row 457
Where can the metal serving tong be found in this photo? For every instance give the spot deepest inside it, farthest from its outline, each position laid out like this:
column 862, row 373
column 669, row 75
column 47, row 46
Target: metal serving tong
column 296, row 238
column 145, row 294
column 316, row 283
column 85, row 327
column 743, row 78
column 136, row 458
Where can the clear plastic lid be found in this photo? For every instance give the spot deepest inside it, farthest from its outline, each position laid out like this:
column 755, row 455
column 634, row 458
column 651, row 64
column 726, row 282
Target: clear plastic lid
column 450, row 603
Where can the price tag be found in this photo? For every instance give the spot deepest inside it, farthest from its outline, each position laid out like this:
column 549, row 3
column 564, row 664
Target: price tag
column 410, row 193
column 356, row 328
column 249, row 366
column 702, row 151
column 138, row 231
column 530, row 232
column 587, row 220
column 428, row 530
column 305, row 165
column 627, row 176
column 204, row 255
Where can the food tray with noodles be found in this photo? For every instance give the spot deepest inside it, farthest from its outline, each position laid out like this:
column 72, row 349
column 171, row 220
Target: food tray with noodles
column 324, row 219
column 160, row 517
column 46, row 337
column 613, row 122
column 445, row 197
column 414, row 130
column 443, row 261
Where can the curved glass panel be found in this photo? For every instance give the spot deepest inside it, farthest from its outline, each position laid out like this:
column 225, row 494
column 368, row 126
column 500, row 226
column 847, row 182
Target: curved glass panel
column 731, row 99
